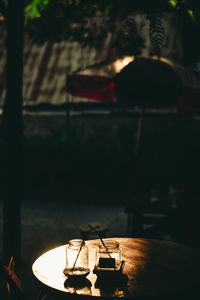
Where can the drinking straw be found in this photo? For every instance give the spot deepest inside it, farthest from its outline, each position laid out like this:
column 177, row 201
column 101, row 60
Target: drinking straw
column 100, row 239
column 77, row 255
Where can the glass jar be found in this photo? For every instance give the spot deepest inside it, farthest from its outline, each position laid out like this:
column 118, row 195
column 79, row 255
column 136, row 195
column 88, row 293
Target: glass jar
column 76, row 258
column 108, row 255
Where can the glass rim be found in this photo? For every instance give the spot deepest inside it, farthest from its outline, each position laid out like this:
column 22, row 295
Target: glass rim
column 76, row 242
column 110, row 244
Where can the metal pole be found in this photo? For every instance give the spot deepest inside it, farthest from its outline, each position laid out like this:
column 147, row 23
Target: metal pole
column 12, row 129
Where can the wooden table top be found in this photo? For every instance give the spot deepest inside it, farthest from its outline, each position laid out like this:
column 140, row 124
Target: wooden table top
column 152, row 267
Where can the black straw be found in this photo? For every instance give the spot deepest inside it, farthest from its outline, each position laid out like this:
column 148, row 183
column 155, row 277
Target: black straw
column 99, row 238
column 77, row 255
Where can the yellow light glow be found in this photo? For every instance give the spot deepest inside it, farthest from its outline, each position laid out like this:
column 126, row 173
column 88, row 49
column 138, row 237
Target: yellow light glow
column 163, row 59
column 108, row 69
column 119, row 64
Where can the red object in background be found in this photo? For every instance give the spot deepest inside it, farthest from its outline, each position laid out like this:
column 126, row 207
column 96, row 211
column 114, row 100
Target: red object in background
column 101, row 88
column 89, row 86
column 190, row 100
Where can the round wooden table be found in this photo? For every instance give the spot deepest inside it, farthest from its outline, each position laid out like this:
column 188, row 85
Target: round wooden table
column 152, row 268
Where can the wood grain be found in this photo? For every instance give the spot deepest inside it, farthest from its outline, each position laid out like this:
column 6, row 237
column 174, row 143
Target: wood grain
column 152, row 268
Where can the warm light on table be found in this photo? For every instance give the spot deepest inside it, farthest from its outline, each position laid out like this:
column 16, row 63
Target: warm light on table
column 153, row 268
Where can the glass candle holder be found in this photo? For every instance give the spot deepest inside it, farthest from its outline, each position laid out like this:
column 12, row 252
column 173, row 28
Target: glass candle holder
column 109, row 255
column 76, row 258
